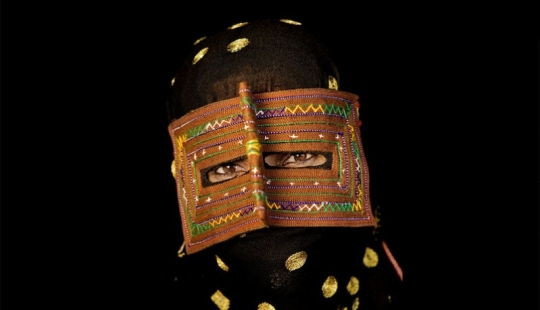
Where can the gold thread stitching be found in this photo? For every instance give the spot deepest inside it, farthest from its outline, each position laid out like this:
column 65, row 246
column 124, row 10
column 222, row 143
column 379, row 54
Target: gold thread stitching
column 296, row 261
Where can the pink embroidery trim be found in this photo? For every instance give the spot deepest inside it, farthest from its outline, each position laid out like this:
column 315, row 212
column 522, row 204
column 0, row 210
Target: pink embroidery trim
column 393, row 260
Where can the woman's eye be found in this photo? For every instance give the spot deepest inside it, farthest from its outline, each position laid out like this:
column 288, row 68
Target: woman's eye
column 225, row 169
column 294, row 160
column 228, row 171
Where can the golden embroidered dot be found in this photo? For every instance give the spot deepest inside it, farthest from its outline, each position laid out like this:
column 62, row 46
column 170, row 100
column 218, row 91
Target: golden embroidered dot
column 237, row 45
column 265, row 306
column 172, row 81
column 329, row 287
column 220, row 300
column 332, row 82
column 353, row 286
column 173, row 169
column 355, row 304
column 221, row 264
column 371, row 259
column 200, row 55
column 199, row 40
column 296, row 261
column 237, row 26
column 290, row 21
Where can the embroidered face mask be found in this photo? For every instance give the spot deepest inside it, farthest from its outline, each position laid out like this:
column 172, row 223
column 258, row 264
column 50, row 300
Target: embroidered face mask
column 291, row 158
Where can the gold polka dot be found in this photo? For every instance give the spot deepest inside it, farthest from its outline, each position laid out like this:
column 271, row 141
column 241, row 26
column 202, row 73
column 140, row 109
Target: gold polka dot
column 371, row 259
column 221, row 264
column 353, row 286
column 237, row 26
column 296, row 261
column 200, row 55
column 220, row 300
column 355, row 304
column 332, row 82
column 290, row 21
column 172, row 81
column 237, row 45
column 198, row 40
column 265, row 306
column 173, row 169
column 242, row 235
column 329, row 287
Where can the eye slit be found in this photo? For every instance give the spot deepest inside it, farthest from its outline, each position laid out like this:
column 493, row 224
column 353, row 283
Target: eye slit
column 295, row 160
column 227, row 171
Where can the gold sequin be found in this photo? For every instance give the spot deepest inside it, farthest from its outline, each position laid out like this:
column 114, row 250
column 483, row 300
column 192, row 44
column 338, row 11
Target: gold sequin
column 355, row 304
column 200, row 55
column 329, row 287
column 290, row 21
column 353, row 286
column 332, row 82
column 237, row 25
column 237, row 45
column 265, row 306
column 198, row 40
column 220, row 300
column 221, row 264
column 296, row 261
column 371, row 259
column 173, row 169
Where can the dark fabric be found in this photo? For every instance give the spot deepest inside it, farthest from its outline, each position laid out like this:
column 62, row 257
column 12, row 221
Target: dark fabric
column 280, row 56
column 257, row 271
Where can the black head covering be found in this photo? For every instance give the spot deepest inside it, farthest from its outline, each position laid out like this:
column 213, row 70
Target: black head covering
column 280, row 55
column 272, row 55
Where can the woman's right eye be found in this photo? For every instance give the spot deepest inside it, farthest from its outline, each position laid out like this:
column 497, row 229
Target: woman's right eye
column 228, row 171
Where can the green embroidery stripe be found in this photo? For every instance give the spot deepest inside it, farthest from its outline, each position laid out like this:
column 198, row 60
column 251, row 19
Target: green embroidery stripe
column 249, row 102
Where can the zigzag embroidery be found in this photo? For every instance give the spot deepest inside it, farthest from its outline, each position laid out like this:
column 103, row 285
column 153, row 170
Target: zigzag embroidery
column 270, row 113
column 325, row 207
column 213, row 223
column 193, row 132
column 321, row 108
column 309, row 108
column 333, row 109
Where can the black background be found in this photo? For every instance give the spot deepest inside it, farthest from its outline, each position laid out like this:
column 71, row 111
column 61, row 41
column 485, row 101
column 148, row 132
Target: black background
column 88, row 201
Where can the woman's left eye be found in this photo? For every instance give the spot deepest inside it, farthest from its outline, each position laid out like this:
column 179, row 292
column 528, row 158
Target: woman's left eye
column 294, row 160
